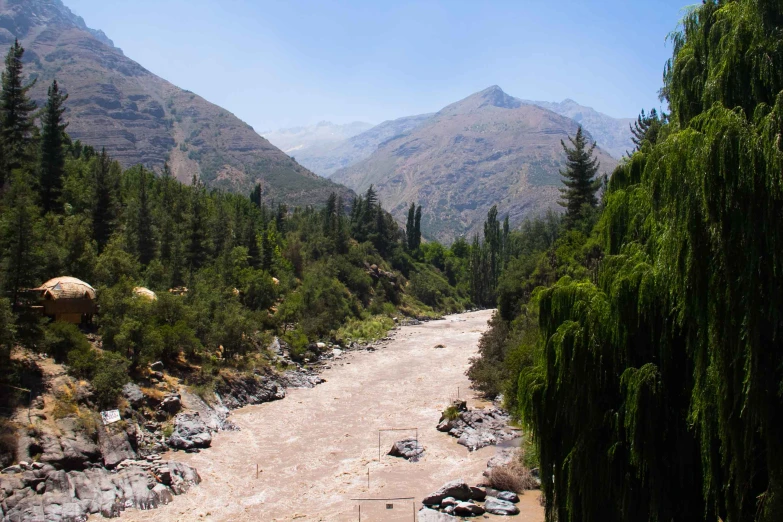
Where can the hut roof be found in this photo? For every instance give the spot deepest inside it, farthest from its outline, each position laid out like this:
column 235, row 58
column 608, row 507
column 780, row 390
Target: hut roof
column 145, row 292
column 66, row 288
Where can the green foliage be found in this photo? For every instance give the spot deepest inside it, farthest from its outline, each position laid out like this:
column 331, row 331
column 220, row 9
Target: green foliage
column 369, row 329
column 61, row 338
column 578, row 197
column 655, row 391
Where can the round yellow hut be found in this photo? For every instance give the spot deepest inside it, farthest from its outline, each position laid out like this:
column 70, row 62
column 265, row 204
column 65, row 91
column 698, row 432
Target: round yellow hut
column 67, row 299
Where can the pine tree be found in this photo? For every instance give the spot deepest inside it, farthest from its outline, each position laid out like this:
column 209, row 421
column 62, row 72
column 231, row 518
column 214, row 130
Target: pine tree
column 410, row 236
column 329, row 216
column 104, row 210
column 145, row 238
column 197, row 249
column 255, row 196
column 417, row 228
column 16, row 114
column 52, row 168
column 646, row 128
column 579, row 178
column 251, row 243
column 493, row 240
column 267, row 249
column 20, row 235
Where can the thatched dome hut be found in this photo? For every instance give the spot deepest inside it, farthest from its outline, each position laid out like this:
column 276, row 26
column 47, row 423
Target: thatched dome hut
column 67, row 299
column 146, row 293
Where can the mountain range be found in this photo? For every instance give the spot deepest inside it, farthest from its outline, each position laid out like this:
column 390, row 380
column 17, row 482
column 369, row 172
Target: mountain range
column 489, row 148
column 141, row 118
column 326, row 156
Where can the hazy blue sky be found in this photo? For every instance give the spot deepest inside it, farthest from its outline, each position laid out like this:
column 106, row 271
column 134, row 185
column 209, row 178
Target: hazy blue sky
column 283, row 63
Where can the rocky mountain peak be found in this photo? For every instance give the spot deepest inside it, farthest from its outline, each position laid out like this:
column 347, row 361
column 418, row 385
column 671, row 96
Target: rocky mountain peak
column 488, row 98
column 22, row 18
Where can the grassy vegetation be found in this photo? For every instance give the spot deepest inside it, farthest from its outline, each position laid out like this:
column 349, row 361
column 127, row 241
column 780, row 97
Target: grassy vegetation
column 365, row 330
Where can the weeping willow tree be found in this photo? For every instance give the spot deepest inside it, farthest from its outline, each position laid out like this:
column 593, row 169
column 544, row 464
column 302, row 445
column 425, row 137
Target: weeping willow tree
column 657, row 393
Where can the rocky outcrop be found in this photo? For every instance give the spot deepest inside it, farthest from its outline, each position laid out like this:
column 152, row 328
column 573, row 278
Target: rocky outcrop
column 41, row 493
column 408, row 449
column 497, row 506
column 477, row 429
column 459, row 499
column 65, row 446
column 116, row 445
column 190, row 432
column 243, row 390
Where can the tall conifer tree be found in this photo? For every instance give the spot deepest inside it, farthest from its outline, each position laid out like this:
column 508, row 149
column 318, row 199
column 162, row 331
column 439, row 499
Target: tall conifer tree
column 104, row 203
column 52, row 168
column 16, row 114
column 579, row 178
column 145, row 239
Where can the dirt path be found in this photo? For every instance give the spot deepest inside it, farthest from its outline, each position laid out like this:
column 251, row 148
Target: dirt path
column 314, row 448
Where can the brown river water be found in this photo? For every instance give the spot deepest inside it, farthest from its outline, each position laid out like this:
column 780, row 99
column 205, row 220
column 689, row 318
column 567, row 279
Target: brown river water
column 314, row 448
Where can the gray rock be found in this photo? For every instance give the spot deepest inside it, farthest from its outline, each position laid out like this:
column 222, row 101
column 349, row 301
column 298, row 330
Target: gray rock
column 171, row 404
column 408, row 449
column 13, row 469
column 468, row 509
column 133, row 394
column 477, row 494
column 301, row 379
column 508, row 496
column 430, row 515
column 448, row 501
column 70, row 449
column 456, row 489
column 250, row 389
column 157, row 366
column 500, row 507
column 115, row 446
column 190, row 432
column 476, row 429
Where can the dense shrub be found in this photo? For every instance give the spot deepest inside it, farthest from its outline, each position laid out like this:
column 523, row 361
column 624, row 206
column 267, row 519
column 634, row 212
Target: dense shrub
column 61, row 338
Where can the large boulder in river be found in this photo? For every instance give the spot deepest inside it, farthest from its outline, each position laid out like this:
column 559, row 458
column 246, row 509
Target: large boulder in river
column 457, row 489
column 190, row 432
column 408, row 449
column 500, row 507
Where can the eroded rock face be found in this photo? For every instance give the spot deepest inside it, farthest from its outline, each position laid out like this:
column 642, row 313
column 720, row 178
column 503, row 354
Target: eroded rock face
column 190, row 432
column 116, row 445
column 408, row 449
column 70, row 449
column 73, row 496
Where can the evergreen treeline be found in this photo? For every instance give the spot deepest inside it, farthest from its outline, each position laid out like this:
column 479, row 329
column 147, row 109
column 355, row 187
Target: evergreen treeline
column 241, row 270
column 644, row 353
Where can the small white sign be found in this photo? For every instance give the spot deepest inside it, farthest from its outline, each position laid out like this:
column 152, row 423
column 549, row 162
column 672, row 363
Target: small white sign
column 110, row 416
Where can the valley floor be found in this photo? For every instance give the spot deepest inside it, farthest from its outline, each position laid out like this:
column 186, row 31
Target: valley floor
column 314, row 447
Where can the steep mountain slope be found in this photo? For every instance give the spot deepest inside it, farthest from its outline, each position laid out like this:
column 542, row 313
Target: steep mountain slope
column 612, row 134
column 489, row 148
column 312, row 143
column 140, row 118
column 325, row 160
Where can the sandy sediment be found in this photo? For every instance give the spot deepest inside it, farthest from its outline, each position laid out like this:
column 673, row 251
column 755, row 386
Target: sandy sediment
column 314, row 449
